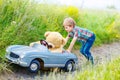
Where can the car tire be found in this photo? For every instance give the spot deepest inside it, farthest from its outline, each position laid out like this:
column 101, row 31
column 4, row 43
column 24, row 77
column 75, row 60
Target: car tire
column 69, row 67
column 34, row 66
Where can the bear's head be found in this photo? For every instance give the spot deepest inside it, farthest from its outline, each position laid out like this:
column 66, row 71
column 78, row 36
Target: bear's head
column 56, row 40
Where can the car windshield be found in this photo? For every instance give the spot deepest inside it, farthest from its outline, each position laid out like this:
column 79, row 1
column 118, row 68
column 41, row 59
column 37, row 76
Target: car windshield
column 40, row 47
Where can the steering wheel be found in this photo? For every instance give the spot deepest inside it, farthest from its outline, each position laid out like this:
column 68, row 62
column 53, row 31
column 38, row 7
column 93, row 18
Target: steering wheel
column 45, row 43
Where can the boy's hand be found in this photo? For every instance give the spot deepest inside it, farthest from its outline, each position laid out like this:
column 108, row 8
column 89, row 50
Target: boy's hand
column 68, row 51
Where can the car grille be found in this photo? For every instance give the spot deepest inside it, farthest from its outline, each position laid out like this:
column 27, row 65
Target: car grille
column 14, row 55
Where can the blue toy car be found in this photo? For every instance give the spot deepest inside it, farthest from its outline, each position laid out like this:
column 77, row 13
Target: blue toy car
column 39, row 56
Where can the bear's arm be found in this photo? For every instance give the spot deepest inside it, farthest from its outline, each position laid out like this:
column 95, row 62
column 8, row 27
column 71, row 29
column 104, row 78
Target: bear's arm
column 31, row 44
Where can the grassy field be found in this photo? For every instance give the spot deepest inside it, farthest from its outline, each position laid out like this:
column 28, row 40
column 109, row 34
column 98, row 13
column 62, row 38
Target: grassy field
column 106, row 71
column 22, row 22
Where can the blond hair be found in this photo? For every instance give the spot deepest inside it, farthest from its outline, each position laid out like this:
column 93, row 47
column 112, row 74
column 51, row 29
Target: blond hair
column 69, row 21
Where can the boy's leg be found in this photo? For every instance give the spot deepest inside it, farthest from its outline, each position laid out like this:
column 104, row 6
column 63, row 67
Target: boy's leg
column 86, row 53
column 82, row 50
column 87, row 47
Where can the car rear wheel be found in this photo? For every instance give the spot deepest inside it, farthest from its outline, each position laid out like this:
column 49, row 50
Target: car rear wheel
column 34, row 66
column 69, row 66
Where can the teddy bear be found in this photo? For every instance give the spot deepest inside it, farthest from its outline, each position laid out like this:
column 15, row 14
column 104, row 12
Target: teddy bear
column 55, row 40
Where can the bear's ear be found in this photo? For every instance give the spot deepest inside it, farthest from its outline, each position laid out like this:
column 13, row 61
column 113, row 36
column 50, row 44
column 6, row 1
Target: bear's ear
column 63, row 41
column 47, row 33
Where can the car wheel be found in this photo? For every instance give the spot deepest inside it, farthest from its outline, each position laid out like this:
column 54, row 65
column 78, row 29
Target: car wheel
column 69, row 66
column 34, row 66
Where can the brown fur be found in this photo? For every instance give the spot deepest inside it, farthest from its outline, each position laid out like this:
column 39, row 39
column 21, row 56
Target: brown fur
column 56, row 40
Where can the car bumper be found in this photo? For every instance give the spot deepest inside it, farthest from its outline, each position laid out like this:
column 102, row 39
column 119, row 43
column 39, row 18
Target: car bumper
column 17, row 61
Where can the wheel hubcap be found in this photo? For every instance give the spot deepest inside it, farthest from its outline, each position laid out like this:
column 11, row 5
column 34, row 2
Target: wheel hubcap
column 70, row 67
column 33, row 66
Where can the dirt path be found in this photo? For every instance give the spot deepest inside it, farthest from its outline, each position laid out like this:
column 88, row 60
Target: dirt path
column 101, row 54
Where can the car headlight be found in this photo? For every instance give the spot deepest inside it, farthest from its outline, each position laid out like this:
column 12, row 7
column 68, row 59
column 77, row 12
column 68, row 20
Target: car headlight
column 7, row 49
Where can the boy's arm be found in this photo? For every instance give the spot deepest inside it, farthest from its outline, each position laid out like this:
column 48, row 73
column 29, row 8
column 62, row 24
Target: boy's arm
column 73, row 41
column 66, row 39
column 72, row 44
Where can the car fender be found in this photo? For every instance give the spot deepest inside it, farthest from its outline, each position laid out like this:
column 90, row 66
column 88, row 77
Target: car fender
column 42, row 57
column 69, row 59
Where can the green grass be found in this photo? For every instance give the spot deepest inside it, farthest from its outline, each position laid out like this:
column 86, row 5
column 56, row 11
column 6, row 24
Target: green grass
column 108, row 71
column 22, row 22
column 105, row 71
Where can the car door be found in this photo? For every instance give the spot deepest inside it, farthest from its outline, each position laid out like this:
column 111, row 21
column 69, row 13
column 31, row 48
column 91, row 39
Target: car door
column 57, row 59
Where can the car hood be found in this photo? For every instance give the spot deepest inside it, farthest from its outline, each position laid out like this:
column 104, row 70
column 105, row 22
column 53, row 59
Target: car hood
column 21, row 49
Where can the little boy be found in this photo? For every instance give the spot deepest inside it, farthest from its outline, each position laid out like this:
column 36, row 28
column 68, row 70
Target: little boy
column 82, row 35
